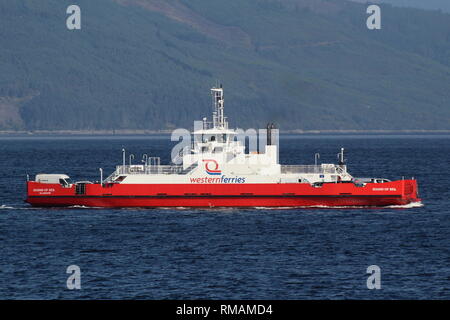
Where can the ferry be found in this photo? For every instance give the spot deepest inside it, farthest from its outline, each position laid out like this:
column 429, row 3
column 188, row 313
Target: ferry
column 217, row 170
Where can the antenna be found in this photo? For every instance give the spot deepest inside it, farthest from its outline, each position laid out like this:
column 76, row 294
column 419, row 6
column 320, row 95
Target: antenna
column 316, row 157
column 123, row 158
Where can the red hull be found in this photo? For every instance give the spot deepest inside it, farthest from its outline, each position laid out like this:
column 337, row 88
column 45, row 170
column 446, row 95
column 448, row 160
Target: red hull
column 225, row 195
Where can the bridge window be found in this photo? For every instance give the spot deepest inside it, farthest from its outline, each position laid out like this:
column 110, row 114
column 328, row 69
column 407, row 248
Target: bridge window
column 223, row 138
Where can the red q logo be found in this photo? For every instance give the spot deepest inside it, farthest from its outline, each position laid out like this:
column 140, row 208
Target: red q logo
column 212, row 167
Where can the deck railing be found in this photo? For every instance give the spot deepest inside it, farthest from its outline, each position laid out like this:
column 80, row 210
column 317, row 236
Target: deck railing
column 178, row 169
column 149, row 169
column 141, row 169
column 307, row 169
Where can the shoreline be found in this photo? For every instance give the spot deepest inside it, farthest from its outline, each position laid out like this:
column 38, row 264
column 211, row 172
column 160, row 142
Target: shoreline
column 125, row 132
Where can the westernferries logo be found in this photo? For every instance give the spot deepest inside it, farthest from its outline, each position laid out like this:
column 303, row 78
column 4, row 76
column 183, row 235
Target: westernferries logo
column 212, row 168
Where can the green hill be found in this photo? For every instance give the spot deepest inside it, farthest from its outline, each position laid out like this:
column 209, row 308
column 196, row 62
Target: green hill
column 149, row 64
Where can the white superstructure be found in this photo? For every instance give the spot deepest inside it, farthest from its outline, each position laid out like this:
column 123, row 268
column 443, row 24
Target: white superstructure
column 217, row 155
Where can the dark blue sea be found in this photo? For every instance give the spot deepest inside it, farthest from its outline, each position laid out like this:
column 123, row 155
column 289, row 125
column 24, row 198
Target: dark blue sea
column 319, row 253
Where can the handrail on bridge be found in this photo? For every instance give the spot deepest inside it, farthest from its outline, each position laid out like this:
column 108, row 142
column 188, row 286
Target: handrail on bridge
column 307, row 169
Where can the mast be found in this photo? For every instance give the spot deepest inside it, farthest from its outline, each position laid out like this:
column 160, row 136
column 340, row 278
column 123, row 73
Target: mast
column 219, row 119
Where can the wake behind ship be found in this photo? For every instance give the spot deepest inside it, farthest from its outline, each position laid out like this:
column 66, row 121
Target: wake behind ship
column 216, row 171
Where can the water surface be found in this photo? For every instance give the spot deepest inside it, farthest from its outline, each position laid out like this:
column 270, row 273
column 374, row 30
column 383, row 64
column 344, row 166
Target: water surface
column 254, row 253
